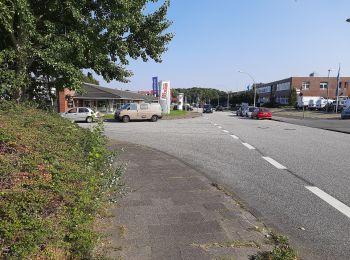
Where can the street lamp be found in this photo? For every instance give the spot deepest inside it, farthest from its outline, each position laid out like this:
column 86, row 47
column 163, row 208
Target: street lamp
column 329, row 71
column 243, row 72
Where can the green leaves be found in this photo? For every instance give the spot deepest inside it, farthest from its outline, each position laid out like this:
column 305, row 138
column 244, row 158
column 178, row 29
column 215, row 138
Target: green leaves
column 49, row 42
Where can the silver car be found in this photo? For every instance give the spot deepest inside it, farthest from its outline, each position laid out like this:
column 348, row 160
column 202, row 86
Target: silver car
column 80, row 114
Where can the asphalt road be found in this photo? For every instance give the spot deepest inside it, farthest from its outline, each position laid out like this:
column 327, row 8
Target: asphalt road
column 295, row 178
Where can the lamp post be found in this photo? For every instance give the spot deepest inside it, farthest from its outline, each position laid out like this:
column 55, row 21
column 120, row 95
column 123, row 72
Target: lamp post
column 243, row 72
column 228, row 99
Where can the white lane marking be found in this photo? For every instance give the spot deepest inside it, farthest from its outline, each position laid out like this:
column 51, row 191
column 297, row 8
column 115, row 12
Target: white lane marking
column 250, row 147
column 275, row 163
column 220, row 127
column 330, row 200
column 215, row 124
column 235, row 137
column 225, row 131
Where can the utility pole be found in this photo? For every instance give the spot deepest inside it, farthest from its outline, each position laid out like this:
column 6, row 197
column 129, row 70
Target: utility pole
column 253, row 85
column 329, row 71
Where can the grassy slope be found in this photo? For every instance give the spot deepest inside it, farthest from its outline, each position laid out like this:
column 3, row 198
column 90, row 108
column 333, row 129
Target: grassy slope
column 52, row 177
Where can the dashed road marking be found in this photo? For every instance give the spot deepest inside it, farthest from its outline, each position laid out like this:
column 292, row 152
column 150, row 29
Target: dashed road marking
column 330, row 200
column 235, row 137
column 275, row 163
column 220, row 127
column 250, row 147
column 225, row 131
column 215, row 124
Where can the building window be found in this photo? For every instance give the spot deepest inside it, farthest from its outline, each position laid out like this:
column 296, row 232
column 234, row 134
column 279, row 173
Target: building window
column 346, row 84
column 305, row 85
column 323, row 85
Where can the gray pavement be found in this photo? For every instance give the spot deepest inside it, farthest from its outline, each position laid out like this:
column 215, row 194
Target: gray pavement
column 335, row 124
column 173, row 212
column 313, row 157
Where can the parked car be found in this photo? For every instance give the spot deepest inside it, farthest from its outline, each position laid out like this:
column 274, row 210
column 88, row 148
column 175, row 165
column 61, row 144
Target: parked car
column 244, row 111
column 262, row 113
column 219, row 108
column 238, row 111
column 249, row 111
column 321, row 104
column 80, row 114
column 345, row 114
column 187, row 107
column 207, row 109
column 142, row 111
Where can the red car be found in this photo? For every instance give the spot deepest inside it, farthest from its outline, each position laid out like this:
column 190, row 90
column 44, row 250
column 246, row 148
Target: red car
column 262, row 113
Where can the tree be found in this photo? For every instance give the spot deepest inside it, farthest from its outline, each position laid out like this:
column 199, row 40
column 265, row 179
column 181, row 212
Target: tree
column 46, row 43
column 293, row 97
column 90, row 79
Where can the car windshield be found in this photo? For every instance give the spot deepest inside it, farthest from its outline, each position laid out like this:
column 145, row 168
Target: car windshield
column 251, row 109
column 125, row 106
column 207, row 106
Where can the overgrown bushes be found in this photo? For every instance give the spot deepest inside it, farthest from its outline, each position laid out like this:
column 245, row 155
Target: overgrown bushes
column 54, row 178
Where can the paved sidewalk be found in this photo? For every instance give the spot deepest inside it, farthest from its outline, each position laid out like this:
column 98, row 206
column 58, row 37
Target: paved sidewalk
column 173, row 212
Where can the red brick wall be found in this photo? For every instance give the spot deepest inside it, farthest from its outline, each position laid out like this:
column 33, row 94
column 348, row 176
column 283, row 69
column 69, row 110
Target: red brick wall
column 62, row 101
column 315, row 86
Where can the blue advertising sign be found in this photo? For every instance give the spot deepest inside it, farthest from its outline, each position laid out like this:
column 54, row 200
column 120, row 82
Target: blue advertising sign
column 155, row 86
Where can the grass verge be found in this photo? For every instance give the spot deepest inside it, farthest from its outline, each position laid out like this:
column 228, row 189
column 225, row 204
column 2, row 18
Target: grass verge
column 54, row 179
column 282, row 250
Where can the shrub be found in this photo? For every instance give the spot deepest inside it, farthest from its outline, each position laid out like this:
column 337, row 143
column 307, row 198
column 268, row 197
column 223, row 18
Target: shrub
column 54, row 177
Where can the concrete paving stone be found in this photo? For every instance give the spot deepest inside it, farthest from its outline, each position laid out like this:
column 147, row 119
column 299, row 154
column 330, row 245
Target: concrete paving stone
column 135, row 203
column 192, row 253
column 202, row 238
column 197, row 228
column 214, row 206
column 144, row 253
column 191, row 217
column 169, row 253
column 160, row 230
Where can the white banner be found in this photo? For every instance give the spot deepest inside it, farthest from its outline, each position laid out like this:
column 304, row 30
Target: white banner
column 164, row 96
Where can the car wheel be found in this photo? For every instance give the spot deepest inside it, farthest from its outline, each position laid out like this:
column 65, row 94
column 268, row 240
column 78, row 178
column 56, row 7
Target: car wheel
column 126, row 119
column 89, row 119
column 154, row 118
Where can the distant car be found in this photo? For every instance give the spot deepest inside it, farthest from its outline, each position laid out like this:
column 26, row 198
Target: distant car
column 262, row 113
column 219, row 108
column 207, row 109
column 249, row 111
column 187, row 107
column 244, row 111
column 238, row 111
column 345, row 114
column 80, row 114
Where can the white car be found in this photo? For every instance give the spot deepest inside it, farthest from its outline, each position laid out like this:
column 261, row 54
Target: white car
column 80, row 114
column 249, row 111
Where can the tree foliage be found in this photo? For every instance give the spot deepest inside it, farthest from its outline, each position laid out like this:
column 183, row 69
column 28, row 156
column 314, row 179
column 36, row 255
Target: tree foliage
column 46, row 43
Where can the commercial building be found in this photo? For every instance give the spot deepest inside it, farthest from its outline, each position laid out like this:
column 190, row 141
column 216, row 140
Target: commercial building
column 105, row 100
column 280, row 91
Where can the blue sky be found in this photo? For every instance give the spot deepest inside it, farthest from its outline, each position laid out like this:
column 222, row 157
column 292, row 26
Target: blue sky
column 270, row 39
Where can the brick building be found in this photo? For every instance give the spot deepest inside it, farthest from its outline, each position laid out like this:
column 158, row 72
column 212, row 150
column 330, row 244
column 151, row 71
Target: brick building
column 280, row 90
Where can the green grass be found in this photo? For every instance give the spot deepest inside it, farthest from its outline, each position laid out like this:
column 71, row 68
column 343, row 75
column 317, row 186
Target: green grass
column 282, row 250
column 54, row 179
column 108, row 116
column 174, row 113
